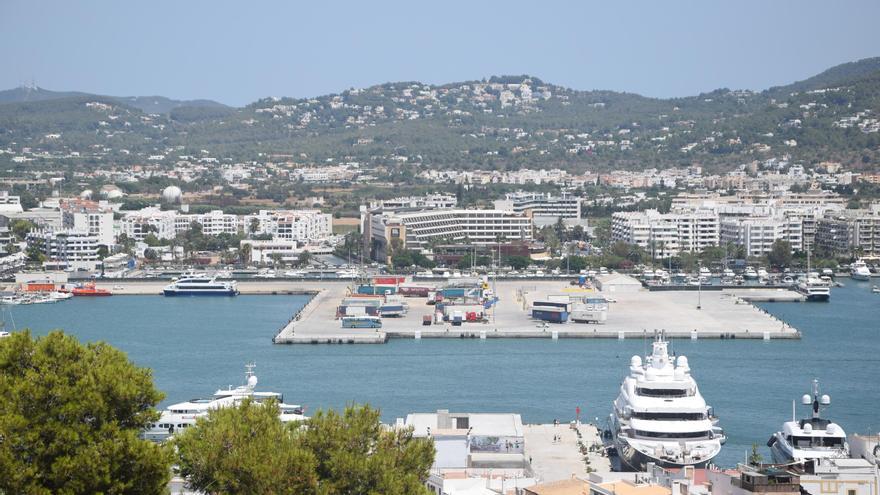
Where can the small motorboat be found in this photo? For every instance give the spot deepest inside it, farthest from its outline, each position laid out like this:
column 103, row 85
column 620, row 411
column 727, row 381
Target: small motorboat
column 875, row 289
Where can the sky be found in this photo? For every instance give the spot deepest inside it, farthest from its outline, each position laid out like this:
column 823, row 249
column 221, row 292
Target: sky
column 238, row 51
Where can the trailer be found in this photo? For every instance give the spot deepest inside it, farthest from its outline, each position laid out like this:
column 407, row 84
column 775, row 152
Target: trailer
column 550, row 314
column 552, row 304
column 457, row 318
column 413, row 291
column 427, row 320
column 376, row 290
column 392, row 310
column 592, row 309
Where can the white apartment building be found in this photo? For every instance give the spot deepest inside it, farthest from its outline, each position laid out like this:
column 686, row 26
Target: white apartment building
column 755, row 235
column 262, row 251
column 666, row 234
column 67, row 248
column 137, row 225
column 541, row 205
column 415, row 230
column 88, row 216
column 9, row 203
column 297, row 225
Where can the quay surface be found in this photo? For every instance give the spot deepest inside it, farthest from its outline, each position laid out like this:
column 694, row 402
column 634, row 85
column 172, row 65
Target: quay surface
column 721, row 314
column 560, row 459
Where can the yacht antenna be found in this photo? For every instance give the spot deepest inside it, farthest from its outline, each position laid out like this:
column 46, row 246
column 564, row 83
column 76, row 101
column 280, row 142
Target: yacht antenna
column 793, row 413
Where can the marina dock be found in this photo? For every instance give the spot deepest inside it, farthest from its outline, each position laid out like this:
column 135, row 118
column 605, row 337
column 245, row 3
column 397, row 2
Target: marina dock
column 725, row 314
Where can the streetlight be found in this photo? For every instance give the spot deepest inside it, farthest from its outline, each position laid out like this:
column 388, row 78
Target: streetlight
column 699, row 285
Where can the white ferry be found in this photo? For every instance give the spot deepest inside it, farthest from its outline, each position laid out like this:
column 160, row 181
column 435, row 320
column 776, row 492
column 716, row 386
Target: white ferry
column 200, row 285
column 809, row 439
column 814, row 288
column 661, row 417
column 184, row 414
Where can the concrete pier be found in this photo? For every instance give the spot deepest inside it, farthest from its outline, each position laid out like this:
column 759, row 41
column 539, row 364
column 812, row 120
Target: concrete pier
column 725, row 314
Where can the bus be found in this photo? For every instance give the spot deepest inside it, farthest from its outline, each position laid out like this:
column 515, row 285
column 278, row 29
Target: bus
column 361, row 322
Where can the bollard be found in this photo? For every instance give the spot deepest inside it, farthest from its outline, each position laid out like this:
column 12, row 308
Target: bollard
column 766, row 335
column 418, row 335
column 620, row 335
column 482, row 335
column 555, row 335
column 693, row 335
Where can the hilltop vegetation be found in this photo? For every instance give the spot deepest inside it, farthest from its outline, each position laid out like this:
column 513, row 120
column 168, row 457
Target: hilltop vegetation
column 504, row 122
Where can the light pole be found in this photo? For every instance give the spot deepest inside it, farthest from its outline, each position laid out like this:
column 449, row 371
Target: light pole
column 699, row 285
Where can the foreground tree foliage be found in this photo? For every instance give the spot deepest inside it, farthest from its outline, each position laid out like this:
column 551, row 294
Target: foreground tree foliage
column 70, row 419
column 248, row 450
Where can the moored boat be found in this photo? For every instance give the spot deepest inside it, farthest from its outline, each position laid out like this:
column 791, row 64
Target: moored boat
column 660, row 416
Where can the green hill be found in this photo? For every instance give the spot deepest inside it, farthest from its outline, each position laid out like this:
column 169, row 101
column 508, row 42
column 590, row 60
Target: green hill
column 503, row 122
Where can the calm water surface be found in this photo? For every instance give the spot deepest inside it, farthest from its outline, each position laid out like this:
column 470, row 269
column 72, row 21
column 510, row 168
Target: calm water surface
column 195, row 345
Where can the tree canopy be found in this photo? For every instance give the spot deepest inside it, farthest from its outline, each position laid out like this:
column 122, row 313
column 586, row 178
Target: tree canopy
column 248, row 450
column 71, row 416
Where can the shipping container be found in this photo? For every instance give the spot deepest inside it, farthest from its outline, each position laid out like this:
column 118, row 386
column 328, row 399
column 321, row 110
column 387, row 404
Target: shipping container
column 414, row 291
column 550, row 314
column 552, row 304
column 376, row 289
column 388, row 280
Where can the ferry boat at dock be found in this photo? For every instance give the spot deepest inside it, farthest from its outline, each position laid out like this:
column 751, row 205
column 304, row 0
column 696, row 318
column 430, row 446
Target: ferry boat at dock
column 809, row 439
column 814, row 288
column 200, row 285
column 177, row 417
column 661, row 417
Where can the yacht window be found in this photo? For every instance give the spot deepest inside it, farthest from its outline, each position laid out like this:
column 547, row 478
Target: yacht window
column 663, row 392
column 688, row 434
column 669, row 416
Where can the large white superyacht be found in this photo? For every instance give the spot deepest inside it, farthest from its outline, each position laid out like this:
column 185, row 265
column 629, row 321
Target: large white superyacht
column 812, row 438
column 176, row 417
column 661, row 417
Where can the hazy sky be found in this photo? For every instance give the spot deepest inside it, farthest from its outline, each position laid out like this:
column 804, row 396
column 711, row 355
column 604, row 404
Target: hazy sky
column 238, row 51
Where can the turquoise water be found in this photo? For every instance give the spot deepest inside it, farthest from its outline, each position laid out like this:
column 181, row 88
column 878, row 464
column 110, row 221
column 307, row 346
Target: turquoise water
column 196, row 345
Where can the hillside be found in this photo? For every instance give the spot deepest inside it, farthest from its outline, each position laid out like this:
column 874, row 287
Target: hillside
column 503, row 122
column 146, row 104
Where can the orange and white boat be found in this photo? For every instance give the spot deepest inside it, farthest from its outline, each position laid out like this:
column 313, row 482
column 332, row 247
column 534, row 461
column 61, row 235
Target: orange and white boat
column 90, row 290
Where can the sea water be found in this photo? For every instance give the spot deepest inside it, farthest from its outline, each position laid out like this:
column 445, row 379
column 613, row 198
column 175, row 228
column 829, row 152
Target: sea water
column 196, row 345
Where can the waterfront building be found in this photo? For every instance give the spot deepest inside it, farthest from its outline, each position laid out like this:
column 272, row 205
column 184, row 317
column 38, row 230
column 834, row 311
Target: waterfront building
column 541, row 205
column 262, row 251
column 66, row 248
column 415, row 230
column 749, row 480
column 666, row 234
column 849, row 232
column 755, row 235
column 471, row 440
column 296, row 225
column 88, row 216
column 293, row 225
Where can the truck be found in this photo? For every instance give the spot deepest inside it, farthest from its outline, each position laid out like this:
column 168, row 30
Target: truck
column 456, row 318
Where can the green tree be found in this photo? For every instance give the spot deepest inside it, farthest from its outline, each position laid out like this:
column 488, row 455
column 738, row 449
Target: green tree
column 71, row 416
column 248, row 450
column 517, row 262
column 20, row 228
column 244, row 253
column 356, row 454
column 755, row 457
column 780, row 254
column 245, row 450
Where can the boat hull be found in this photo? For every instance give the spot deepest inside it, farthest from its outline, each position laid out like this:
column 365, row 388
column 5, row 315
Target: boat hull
column 632, row 459
column 188, row 293
column 818, row 297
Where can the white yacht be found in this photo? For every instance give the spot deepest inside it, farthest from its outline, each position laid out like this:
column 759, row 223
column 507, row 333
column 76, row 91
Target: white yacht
column 705, row 272
column 750, row 274
column 728, row 273
column 814, row 288
column 200, row 285
column 661, row 417
column 860, row 271
column 184, row 414
column 812, row 438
